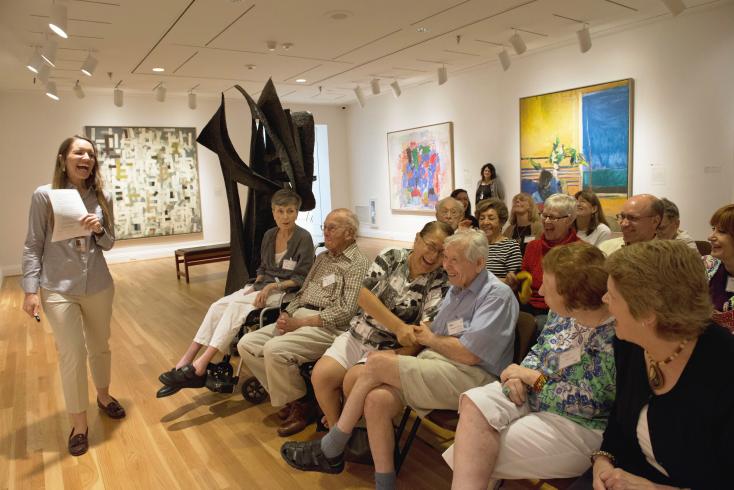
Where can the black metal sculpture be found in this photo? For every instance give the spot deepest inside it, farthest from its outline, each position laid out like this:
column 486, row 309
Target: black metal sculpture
column 281, row 156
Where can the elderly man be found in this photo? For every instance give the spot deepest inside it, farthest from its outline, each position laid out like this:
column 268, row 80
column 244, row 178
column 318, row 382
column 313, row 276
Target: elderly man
column 669, row 228
column 639, row 220
column 310, row 323
column 470, row 340
column 450, row 211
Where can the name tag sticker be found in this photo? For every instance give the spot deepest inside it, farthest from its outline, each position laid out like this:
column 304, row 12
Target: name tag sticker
column 569, row 357
column 289, row 264
column 328, row 280
column 730, row 285
column 528, row 238
column 80, row 244
column 456, row 327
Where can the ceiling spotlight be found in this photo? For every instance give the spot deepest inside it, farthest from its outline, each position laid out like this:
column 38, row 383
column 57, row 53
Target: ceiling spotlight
column 360, row 95
column 58, row 20
column 518, row 44
column 35, row 62
column 584, row 39
column 43, row 74
column 89, row 65
column 443, row 76
column 375, row 85
column 158, row 69
column 118, row 97
column 78, row 91
column 395, row 86
column 49, row 52
column 51, row 90
column 504, row 59
column 300, row 80
column 160, row 92
column 192, row 100
column 272, row 45
column 674, row 6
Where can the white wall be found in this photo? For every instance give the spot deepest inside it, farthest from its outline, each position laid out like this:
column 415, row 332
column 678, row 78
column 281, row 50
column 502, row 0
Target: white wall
column 683, row 71
column 32, row 126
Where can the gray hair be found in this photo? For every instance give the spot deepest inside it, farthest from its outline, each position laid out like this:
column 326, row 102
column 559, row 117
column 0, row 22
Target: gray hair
column 563, row 203
column 450, row 202
column 286, row 197
column 350, row 219
column 473, row 242
column 669, row 208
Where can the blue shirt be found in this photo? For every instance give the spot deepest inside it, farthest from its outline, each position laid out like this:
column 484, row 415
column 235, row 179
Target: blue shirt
column 489, row 312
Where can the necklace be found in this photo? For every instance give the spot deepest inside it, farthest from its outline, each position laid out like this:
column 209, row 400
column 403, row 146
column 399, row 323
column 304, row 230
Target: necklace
column 654, row 374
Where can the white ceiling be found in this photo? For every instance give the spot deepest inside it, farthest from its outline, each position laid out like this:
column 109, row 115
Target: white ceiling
column 208, row 44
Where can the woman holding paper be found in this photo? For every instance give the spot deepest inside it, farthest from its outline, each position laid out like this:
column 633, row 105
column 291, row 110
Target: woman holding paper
column 69, row 277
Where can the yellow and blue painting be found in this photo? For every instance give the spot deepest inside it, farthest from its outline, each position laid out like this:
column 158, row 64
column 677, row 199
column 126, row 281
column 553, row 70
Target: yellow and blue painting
column 578, row 139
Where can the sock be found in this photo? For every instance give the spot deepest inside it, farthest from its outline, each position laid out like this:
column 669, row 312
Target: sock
column 333, row 443
column 385, row 481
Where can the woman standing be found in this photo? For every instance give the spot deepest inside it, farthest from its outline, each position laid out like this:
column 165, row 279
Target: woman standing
column 503, row 255
column 720, row 266
column 489, row 185
column 591, row 225
column 525, row 225
column 74, row 283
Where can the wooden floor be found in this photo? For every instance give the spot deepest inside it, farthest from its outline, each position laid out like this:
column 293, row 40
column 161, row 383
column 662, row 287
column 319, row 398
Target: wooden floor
column 194, row 439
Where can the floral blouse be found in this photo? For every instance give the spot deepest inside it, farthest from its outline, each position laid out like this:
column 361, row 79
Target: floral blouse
column 582, row 391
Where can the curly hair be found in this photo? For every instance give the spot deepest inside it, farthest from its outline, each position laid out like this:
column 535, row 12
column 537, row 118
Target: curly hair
column 499, row 206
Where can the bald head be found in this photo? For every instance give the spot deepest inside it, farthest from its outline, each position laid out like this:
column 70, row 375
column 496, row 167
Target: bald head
column 640, row 217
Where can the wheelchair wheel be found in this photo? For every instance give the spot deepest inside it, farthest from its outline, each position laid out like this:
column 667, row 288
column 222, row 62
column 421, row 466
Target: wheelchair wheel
column 253, row 391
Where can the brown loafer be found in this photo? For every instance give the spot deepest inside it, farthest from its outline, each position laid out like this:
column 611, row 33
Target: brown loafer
column 284, row 412
column 79, row 443
column 302, row 414
column 113, row 409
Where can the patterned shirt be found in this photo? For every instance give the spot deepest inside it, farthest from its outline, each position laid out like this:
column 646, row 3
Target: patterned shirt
column 412, row 301
column 332, row 285
column 584, row 391
column 504, row 257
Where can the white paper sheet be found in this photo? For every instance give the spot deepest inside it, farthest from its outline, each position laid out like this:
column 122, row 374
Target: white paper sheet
column 68, row 210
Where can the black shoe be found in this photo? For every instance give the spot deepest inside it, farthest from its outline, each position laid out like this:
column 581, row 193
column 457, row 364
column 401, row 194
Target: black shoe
column 166, row 391
column 184, row 377
column 166, row 377
column 307, row 456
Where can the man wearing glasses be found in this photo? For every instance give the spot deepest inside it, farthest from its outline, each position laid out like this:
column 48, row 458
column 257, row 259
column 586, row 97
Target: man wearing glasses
column 639, row 220
column 319, row 313
column 450, row 211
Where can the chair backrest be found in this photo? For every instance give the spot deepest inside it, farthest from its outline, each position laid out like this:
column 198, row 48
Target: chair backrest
column 524, row 332
column 703, row 246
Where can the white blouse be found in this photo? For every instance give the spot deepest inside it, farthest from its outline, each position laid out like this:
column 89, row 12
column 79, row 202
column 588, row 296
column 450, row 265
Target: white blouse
column 602, row 233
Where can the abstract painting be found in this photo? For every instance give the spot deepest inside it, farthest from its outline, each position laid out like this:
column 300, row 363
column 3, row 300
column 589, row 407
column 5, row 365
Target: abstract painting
column 153, row 176
column 578, row 139
column 420, row 163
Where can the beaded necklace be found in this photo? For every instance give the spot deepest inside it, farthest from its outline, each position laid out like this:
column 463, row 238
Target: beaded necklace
column 655, row 376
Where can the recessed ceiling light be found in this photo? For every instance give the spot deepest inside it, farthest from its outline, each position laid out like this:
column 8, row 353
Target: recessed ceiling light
column 251, row 67
column 422, row 29
column 338, row 14
column 158, row 69
column 300, row 80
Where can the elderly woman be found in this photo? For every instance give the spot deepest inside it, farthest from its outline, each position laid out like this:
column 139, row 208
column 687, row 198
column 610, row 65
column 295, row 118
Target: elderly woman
column 558, row 215
column 504, row 254
column 591, row 225
column 468, row 221
column 287, row 254
column 525, row 225
column 673, row 419
column 547, row 414
column 721, row 279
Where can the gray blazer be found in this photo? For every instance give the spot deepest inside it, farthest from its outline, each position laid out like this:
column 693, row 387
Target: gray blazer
column 300, row 248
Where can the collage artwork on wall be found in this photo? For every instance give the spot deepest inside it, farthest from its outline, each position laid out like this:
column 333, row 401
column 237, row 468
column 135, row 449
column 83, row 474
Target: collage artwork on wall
column 420, row 167
column 153, row 176
column 578, row 139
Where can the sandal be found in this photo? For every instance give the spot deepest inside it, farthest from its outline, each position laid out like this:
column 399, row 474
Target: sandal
column 307, row 456
column 113, row 409
column 79, row 443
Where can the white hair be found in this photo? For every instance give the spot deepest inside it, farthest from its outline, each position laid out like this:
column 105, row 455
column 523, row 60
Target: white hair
column 473, row 243
column 562, row 203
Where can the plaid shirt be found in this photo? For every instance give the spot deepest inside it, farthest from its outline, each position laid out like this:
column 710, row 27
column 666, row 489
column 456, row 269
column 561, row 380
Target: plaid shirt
column 332, row 285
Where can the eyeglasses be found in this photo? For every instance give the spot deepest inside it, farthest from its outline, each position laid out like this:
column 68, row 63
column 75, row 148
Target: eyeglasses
column 330, row 228
column 552, row 219
column 631, row 218
column 437, row 249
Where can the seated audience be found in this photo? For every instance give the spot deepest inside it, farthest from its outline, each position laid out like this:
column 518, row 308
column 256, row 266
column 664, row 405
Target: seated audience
column 468, row 344
column 450, row 211
column 559, row 212
column 720, row 266
column 546, row 415
column 525, row 225
column 402, row 288
column 287, row 254
column 673, row 420
column 319, row 313
column 591, row 224
column 504, row 253
column 468, row 221
column 668, row 229
column 639, row 220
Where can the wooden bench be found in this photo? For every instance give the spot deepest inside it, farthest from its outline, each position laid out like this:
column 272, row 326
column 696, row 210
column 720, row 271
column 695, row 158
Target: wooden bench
column 199, row 255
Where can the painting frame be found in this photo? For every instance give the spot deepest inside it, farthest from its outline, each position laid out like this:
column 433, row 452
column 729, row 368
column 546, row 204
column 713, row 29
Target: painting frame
column 592, row 137
column 152, row 173
column 405, row 196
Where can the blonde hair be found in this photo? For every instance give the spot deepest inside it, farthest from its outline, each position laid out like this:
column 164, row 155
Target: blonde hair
column 665, row 278
column 533, row 215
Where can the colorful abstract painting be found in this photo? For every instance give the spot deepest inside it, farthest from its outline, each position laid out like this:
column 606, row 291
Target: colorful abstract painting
column 420, row 163
column 153, row 175
column 578, row 139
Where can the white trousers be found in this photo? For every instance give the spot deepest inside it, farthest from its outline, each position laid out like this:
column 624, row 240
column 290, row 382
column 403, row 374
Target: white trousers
column 225, row 316
column 532, row 444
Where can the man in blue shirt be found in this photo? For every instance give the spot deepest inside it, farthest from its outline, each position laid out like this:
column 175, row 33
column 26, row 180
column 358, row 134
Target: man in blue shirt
column 469, row 343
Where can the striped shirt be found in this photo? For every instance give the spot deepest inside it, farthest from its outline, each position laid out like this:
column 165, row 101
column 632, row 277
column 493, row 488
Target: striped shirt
column 504, row 257
column 332, row 285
